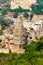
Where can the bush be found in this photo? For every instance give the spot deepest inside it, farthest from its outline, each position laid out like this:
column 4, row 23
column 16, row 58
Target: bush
column 7, row 8
column 31, row 16
column 5, row 23
column 16, row 15
column 20, row 10
column 26, row 15
column 37, row 9
column 1, row 32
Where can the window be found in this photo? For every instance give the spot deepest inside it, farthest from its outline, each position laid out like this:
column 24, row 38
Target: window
column 19, row 46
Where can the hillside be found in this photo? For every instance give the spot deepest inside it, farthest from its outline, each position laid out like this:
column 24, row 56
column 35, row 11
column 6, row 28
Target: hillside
column 33, row 55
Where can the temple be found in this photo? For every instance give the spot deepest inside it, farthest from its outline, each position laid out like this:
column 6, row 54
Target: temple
column 13, row 38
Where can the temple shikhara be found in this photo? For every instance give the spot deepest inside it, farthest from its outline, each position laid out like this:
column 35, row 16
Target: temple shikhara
column 16, row 36
column 13, row 38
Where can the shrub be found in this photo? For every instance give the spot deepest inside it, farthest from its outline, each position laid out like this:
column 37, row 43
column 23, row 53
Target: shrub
column 16, row 15
column 1, row 32
column 26, row 15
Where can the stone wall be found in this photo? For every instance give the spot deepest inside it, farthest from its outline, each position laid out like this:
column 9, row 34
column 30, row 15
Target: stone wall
column 37, row 18
column 22, row 3
column 3, row 50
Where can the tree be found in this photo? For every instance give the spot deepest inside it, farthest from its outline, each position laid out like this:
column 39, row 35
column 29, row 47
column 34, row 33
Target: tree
column 16, row 15
column 31, row 16
column 26, row 15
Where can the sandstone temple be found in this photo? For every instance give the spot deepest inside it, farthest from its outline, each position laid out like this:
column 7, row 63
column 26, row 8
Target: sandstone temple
column 16, row 36
column 13, row 38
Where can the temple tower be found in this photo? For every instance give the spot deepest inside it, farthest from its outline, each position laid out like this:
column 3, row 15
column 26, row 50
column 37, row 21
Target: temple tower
column 18, row 36
column 15, row 40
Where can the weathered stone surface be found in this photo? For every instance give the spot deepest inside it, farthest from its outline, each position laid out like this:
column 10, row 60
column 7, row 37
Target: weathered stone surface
column 22, row 3
column 13, row 42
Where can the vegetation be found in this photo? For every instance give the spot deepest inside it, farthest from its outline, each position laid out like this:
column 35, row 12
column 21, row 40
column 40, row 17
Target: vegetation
column 40, row 2
column 6, row 10
column 37, row 9
column 20, row 10
column 31, row 29
column 31, row 16
column 16, row 15
column 1, row 32
column 5, row 23
column 3, row 1
column 26, row 15
column 33, row 55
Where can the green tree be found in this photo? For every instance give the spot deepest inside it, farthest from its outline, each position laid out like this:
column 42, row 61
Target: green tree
column 26, row 15
column 16, row 15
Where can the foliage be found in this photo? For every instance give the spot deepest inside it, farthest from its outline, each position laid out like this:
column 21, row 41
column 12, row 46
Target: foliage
column 5, row 23
column 20, row 10
column 31, row 16
column 0, row 40
column 32, row 56
column 37, row 9
column 40, row 2
column 31, row 29
column 6, row 10
column 3, row 1
column 1, row 32
column 26, row 15
column 16, row 15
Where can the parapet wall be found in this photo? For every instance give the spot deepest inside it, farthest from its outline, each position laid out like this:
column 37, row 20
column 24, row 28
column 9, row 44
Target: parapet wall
column 22, row 3
column 2, row 50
